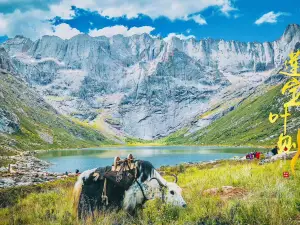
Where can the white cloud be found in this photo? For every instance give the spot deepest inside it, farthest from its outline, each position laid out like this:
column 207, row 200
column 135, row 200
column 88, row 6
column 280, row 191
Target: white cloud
column 108, row 31
column 3, row 23
column 196, row 18
column 140, row 30
column 64, row 10
column 173, row 9
column 235, row 16
column 270, row 17
column 120, row 29
column 199, row 19
column 33, row 20
column 226, row 8
column 29, row 24
column 26, row 23
column 64, row 31
column 180, row 36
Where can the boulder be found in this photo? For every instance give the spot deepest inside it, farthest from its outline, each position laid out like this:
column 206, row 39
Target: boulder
column 6, row 182
column 226, row 192
column 284, row 155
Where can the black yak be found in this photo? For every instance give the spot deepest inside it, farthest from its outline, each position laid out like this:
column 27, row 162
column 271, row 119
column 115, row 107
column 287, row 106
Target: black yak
column 93, row 192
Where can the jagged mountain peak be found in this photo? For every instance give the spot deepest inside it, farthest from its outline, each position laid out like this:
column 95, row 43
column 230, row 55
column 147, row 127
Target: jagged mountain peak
column 292, row 28
column 176, row 38
column 50, row 37
column 18, row 39
column 291, row 31
column 81, row 37
column 19, row 36
column 149, row 86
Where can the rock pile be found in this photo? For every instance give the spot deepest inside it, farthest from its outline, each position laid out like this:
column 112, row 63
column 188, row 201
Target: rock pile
column 26, row 171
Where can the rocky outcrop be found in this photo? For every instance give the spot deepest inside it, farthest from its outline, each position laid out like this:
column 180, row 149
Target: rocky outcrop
column 152, row 86
column 9, row 122
column 34, row 123
column 26, row 170
column 5, row 62
column 46, row 137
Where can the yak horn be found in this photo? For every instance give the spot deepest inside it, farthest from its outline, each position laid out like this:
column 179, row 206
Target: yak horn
column 176, row 178
column 159, row 181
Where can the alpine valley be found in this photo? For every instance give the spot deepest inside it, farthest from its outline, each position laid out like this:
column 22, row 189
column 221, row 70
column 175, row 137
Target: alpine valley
column 99, row 90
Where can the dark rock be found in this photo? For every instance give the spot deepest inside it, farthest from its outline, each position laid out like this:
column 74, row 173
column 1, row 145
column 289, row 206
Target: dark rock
column 9, row 122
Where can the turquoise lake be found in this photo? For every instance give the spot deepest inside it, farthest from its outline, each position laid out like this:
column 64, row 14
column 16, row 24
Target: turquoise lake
column 83, row 159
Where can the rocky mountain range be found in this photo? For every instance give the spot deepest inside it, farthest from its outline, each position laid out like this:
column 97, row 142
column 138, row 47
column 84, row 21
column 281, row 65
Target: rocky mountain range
column 143, row 86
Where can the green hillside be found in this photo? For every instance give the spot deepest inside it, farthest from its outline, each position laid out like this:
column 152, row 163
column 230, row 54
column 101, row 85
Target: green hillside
column 31, row 123
column 248, row 124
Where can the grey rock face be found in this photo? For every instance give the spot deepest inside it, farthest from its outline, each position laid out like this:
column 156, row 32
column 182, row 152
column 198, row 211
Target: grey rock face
column 5, row 62
column 151, row 86
column 18, row 45
column 9, row 122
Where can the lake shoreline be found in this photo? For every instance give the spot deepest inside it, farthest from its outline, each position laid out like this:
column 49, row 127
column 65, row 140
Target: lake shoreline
column 146, row 145
column 25, row 170
column 28, row 169
column 149, row 145
column 84, row 159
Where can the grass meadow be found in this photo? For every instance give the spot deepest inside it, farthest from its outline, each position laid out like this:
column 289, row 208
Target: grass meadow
column 268, row 198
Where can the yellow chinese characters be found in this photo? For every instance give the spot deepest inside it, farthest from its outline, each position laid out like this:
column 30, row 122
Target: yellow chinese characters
column 293, row 63
column 292, row 87
column 285, row 141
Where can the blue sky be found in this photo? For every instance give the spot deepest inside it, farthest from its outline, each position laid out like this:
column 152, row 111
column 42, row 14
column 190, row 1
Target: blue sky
column 243, row 20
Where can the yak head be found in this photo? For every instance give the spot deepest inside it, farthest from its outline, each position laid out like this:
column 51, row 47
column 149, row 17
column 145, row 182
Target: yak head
column 169, row 192
column 173, row 195
column 154, row 188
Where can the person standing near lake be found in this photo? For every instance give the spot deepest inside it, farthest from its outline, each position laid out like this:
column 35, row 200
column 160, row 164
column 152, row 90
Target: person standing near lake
column 275, row 150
